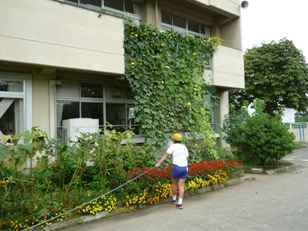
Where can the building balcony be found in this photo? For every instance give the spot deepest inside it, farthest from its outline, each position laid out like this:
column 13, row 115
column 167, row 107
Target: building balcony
column 227, row 7
column 50, row 33
column 227, row 69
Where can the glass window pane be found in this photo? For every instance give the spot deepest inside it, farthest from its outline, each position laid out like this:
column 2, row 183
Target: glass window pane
column 92, row 2
column 116, row 114
column 118, row 93
column 194, row 26
column 205, row 30
column 115, row 4
column 166, row 18
column 129, row 7
column 67, row 110
column 91, row 90
column 68, row 89
column 8, row 116
column 75, row 2
column 179, row 21
column 130, row 94
column 93, row 111
column 11, row 85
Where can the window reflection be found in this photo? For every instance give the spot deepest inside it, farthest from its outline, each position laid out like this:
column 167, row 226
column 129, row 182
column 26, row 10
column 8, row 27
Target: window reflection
column 92, row 2
column 11, row 85
column 67, row 110
column 116, row 115
column 93, row 111
column 91, row 90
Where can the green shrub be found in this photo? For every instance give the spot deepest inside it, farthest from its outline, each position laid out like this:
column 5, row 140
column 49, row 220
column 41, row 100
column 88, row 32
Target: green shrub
column 260, row 139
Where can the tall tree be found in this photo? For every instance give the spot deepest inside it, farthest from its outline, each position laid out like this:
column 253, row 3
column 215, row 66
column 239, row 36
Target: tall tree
column 275, row 72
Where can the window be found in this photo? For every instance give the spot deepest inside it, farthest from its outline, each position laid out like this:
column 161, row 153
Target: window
column 117, row 116
column 11, row 106
column 7, row 116
column 91, row 90
column 115, row 4
column 179, row 21
column 67, row 110
column 193, row 26
column 87, row 100
column 128, row 6
column 11, row 85
column 97, row 3
column 75, row 2
column 93, row 111
column 166, row 18
column 183, row 25
column 213, row 104
column 121, row 5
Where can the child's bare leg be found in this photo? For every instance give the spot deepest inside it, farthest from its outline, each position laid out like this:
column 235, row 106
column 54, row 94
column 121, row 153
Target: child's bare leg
column 174, row 188
column 181, row 185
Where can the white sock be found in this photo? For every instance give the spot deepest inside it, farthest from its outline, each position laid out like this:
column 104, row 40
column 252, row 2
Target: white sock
column 180, row 201
column 174, row 197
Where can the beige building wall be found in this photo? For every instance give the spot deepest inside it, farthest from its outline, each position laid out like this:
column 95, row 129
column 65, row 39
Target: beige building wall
column 223, row 106
column 223, row 112
column 43, row 102
column 49, row 33
column 229, row 7
column 231, row 34
column 151, row 14
column 228, row 68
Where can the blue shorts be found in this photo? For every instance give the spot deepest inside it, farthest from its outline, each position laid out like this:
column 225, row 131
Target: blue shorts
column 179, row 172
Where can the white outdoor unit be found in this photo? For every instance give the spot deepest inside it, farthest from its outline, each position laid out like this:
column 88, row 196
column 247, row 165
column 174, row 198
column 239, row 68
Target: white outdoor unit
column 74, row 127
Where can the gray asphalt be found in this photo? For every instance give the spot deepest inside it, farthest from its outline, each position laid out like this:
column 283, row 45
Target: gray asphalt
column 270, row 203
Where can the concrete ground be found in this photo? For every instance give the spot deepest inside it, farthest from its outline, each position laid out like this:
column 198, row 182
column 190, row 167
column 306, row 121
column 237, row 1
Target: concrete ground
column 278, row 202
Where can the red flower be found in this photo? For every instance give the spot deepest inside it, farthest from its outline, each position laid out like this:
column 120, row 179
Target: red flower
column 196, row 169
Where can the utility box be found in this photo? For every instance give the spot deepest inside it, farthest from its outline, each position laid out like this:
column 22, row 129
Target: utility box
column 75, row 127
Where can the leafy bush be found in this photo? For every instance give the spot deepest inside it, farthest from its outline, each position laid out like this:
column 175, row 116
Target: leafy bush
column 259, row 139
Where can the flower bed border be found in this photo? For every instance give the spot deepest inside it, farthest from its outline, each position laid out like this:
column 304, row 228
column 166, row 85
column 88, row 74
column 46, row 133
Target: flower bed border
column 196, row 184
column 89, row 218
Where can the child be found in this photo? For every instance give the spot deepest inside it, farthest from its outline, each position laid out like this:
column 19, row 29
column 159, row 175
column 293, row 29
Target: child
column 179, row 154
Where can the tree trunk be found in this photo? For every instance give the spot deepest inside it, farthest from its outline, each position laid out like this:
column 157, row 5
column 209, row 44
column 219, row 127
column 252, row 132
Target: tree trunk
column 269, row 109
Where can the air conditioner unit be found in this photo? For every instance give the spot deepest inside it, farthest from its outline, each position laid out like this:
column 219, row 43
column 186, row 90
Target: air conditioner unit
column 75, row 127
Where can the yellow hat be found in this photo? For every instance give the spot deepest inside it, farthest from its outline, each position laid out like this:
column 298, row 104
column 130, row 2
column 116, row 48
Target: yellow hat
column 177, row 137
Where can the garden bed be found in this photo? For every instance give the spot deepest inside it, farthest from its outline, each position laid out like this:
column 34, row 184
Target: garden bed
column 88, row 218
column 64, row 177
column 204, row 176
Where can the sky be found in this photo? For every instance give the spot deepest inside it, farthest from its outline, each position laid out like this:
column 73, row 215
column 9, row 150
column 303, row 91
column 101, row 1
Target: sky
column 267, row 20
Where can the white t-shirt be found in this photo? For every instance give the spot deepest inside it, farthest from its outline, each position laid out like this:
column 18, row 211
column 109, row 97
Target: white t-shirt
column 179, row 154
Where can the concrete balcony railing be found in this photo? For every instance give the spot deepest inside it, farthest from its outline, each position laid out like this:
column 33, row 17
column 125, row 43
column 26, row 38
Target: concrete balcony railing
column 230, row 7
column 227, row 69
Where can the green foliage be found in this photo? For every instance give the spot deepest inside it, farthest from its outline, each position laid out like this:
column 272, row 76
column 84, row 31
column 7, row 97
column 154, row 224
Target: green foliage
column 276, row 73
column 64, row 176
column 165, row 72
column 260, row 139
column 301, row 117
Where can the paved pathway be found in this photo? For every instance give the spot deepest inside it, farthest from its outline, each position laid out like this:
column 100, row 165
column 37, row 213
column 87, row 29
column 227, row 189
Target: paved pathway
column 271, row 203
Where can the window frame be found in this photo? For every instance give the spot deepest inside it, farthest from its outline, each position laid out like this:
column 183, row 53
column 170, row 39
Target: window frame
column 24, row 97
column 104, row 9
column 104, row 100
column 185, row 31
